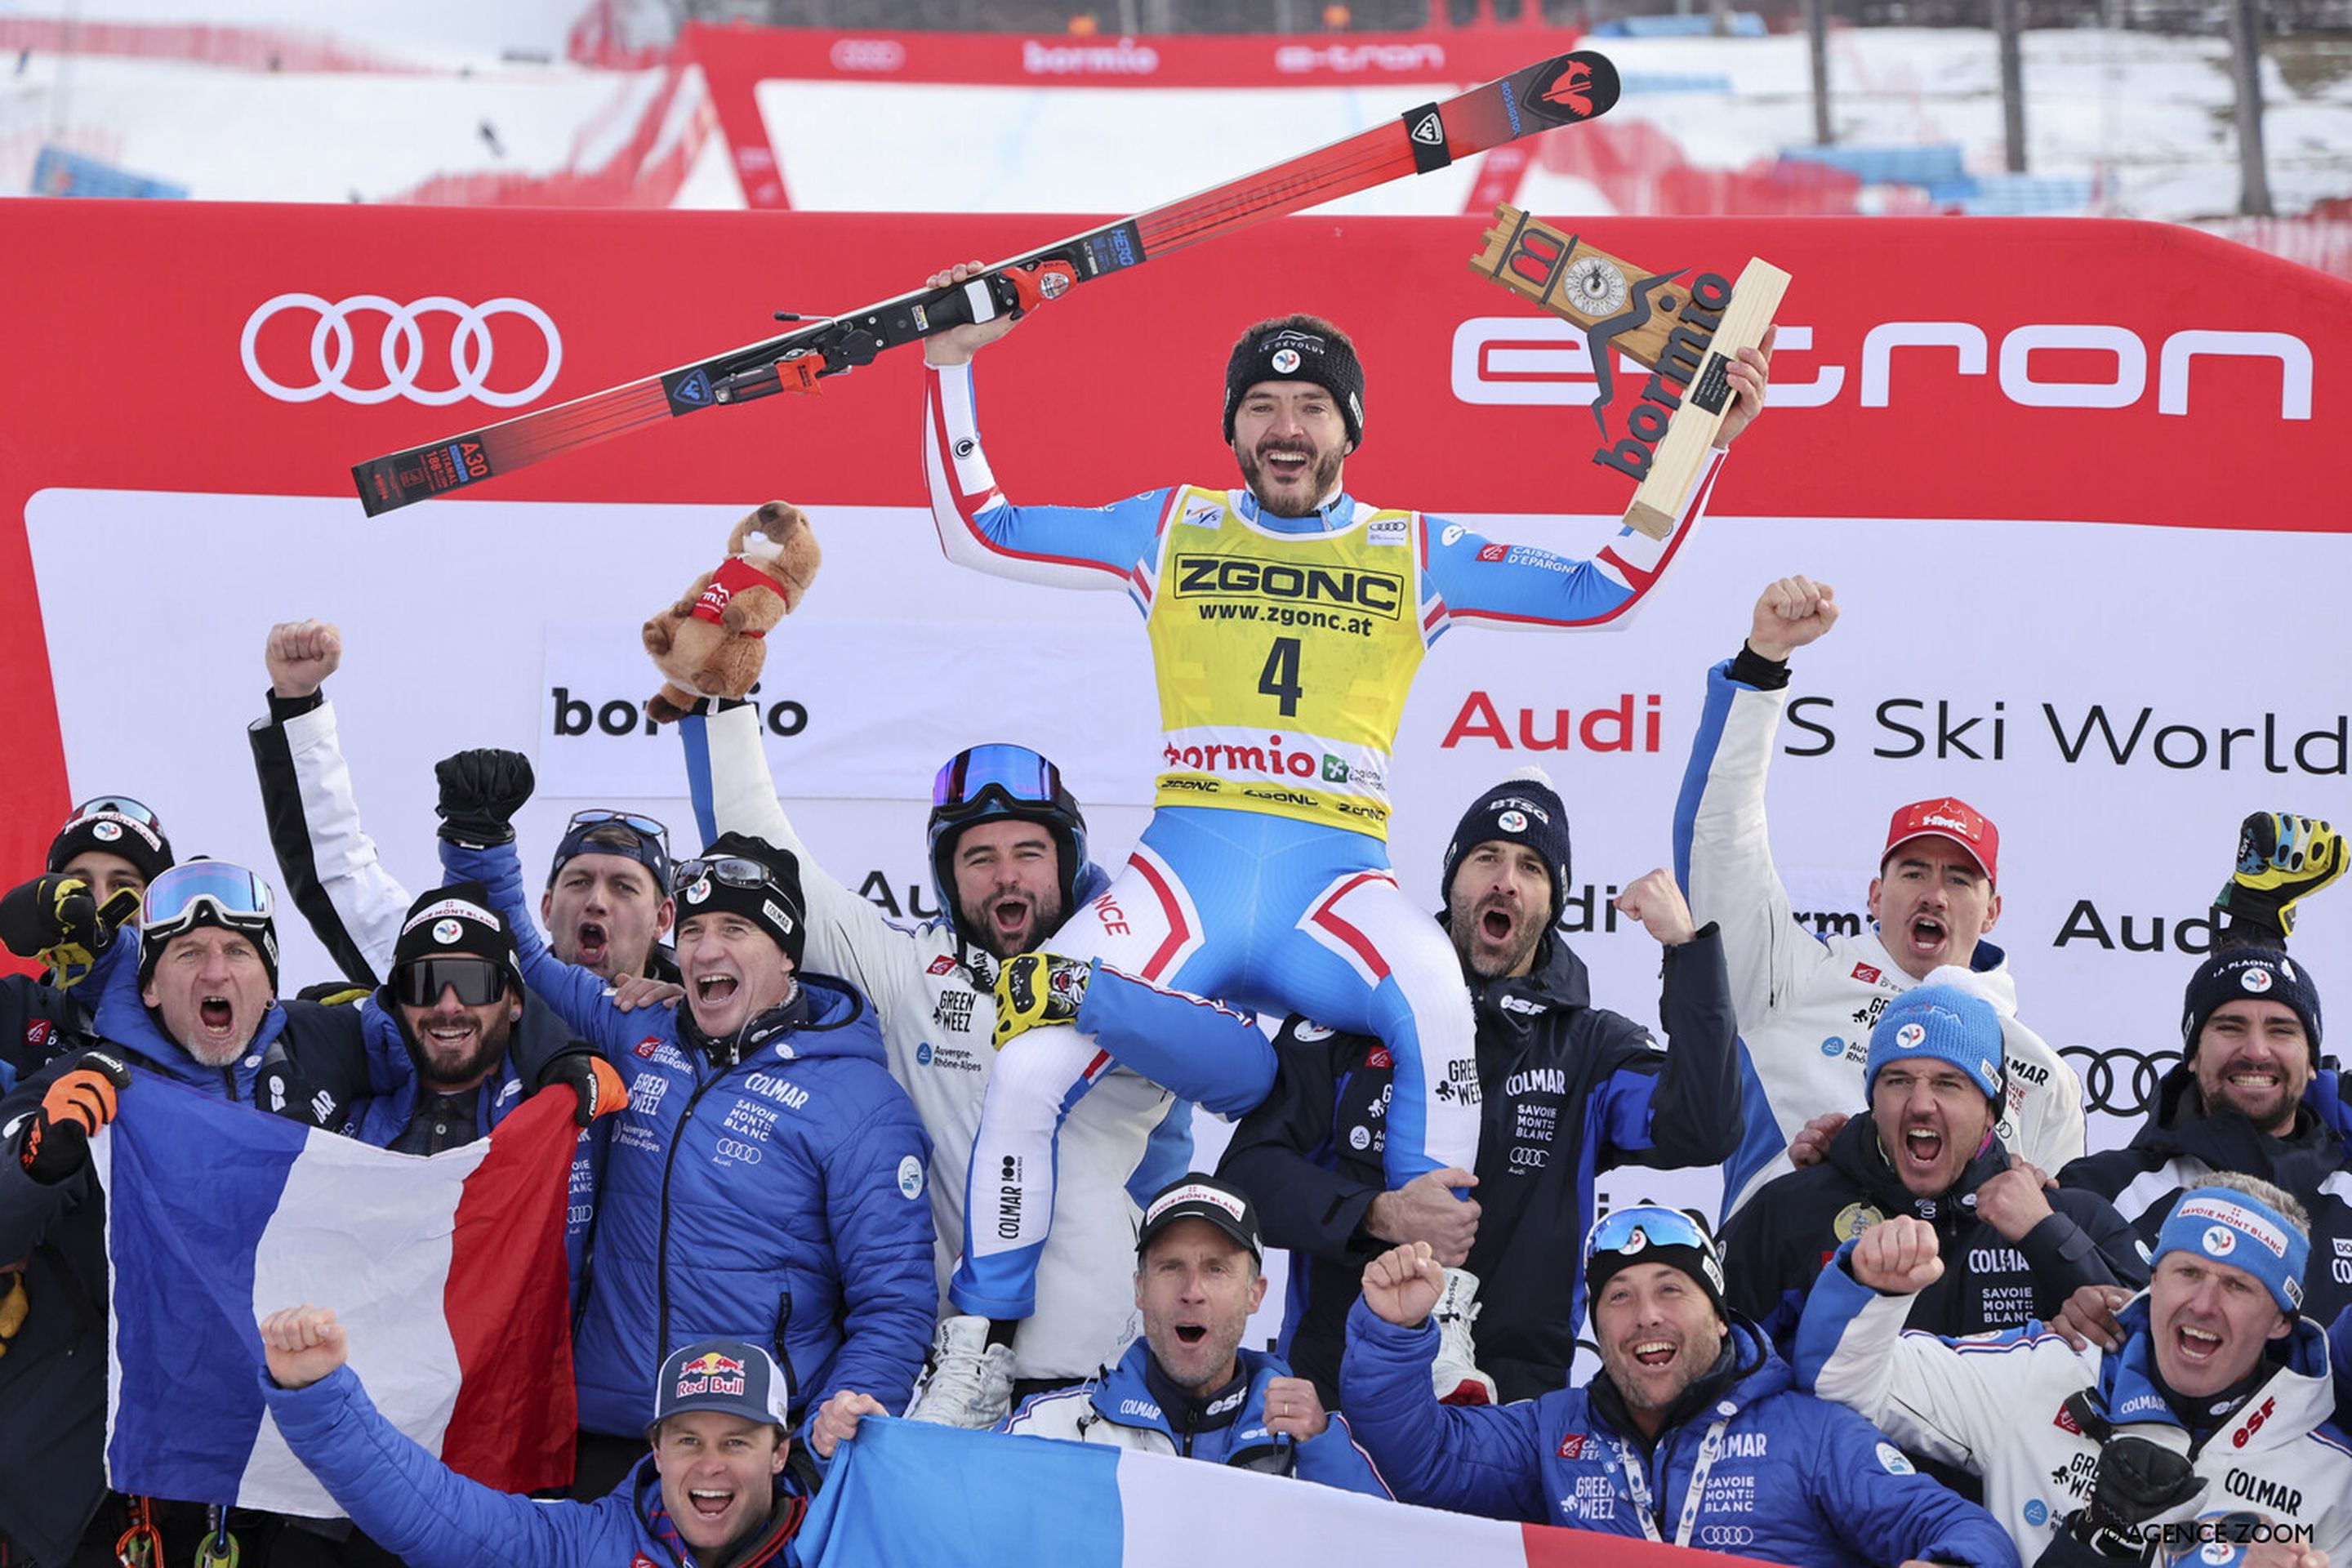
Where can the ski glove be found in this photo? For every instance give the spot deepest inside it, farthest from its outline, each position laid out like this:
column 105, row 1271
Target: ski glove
column 2280, row 858
column 480, row 791
column 79, row 1102
column 2137, row 1484
column 1038, row 988
column 58, row 919
column 591, row 1077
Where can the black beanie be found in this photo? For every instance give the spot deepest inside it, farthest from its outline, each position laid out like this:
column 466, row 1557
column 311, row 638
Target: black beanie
column 457, row 922
column 1291, row 348
column 96, row 824
column 2237, row 973
column 1522, row 809
column 776, row 908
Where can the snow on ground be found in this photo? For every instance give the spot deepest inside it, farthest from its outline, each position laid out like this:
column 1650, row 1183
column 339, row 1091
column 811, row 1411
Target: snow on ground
column 2147, row 117
column 233, row 135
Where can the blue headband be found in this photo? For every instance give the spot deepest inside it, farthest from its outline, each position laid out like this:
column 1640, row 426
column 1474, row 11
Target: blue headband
column 2225, row 1226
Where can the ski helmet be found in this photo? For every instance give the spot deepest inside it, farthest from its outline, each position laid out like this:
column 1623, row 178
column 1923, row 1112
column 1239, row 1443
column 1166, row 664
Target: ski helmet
column 1008, row 781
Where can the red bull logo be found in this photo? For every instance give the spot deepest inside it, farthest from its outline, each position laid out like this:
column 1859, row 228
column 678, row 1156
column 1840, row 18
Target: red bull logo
column 710, row 1373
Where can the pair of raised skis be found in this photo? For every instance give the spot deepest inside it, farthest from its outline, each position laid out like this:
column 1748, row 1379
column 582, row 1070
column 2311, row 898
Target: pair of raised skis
column 1564, row 90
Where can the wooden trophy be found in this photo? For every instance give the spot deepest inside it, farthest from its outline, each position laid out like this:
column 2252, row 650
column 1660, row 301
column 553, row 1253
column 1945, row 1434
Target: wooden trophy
column 1685, row 336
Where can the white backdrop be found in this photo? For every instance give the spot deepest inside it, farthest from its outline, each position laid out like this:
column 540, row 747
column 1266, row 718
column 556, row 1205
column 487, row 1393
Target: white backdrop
column 462, row 623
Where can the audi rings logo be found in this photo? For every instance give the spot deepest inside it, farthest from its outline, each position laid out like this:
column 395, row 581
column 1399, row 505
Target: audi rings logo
column 867, row 55
column 2120, row 1081
column 737, row 1150
column 401, row 348
column 1726, row 1535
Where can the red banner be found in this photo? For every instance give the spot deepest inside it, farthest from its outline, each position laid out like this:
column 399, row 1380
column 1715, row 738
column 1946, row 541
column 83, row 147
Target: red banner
column 2078, row 372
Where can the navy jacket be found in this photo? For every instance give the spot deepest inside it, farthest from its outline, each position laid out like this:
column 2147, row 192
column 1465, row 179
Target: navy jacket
column 2181, row 1143
column 1796, row 1480
column 1774, row 1248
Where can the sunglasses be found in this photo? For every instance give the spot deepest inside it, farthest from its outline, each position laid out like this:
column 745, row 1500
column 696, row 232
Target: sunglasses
column 477, row 980
column 728, row 870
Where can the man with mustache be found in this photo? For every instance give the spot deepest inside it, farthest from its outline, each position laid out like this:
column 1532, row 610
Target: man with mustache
column 2012, row 1250
column 1807, row 1004
column 1287, row 619
column 1566, row 1089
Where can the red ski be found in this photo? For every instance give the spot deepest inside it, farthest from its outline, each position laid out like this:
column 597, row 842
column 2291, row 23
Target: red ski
column 1563, row 91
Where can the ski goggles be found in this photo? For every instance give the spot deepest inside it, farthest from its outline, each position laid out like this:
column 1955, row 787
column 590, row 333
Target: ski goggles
column 186, row 895
column 999, row 774
column 1629, row 1232
column 582, row 836
column 727, row 870
column 478, row 982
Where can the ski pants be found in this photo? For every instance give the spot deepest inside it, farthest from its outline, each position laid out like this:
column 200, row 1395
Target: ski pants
column 1277, row 914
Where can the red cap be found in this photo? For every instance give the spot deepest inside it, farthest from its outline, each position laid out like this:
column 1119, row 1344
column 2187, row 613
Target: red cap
column 1951, row 819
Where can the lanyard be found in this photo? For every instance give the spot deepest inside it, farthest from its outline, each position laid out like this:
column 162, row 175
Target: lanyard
column 1637, row 1482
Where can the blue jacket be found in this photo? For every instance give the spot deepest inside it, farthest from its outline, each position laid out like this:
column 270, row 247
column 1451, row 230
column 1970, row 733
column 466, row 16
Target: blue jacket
column 1796, row 1480
column 774, row 1195
column 1126, row 1407
column 420, row 1511
column 121, row 1016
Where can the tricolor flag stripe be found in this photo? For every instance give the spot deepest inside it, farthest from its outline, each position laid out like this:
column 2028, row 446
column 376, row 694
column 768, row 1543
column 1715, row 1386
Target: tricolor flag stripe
column 447, row 1272
column 906, row 1492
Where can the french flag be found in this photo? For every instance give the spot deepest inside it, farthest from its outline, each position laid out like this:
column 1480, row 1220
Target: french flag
column 903, row 1491
column 449, row 1272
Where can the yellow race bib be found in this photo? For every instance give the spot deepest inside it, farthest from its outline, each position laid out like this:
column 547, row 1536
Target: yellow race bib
column 1284, row 660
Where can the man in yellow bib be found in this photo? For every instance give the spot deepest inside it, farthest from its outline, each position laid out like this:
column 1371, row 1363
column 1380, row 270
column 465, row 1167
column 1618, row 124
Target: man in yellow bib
column 1287, row 621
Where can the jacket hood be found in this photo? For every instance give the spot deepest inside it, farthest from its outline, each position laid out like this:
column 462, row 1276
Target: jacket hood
column 1557, row 980
column 836, row 1023
column 2306, row 1393
column 122, row 1017
column 1757, row 1373
column 2181, row 1124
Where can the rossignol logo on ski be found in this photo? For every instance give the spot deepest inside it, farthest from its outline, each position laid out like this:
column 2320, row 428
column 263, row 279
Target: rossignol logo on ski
column 1571, row 89
column 693, row 389
column 1429, row 131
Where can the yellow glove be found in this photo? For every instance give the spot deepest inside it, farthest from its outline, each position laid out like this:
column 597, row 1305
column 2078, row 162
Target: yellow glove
column 1035, row 989
column 2281, row 860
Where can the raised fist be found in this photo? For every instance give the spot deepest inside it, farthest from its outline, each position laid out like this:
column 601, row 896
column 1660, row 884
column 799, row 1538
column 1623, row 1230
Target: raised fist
column 2280, row 858
column 480, row 791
